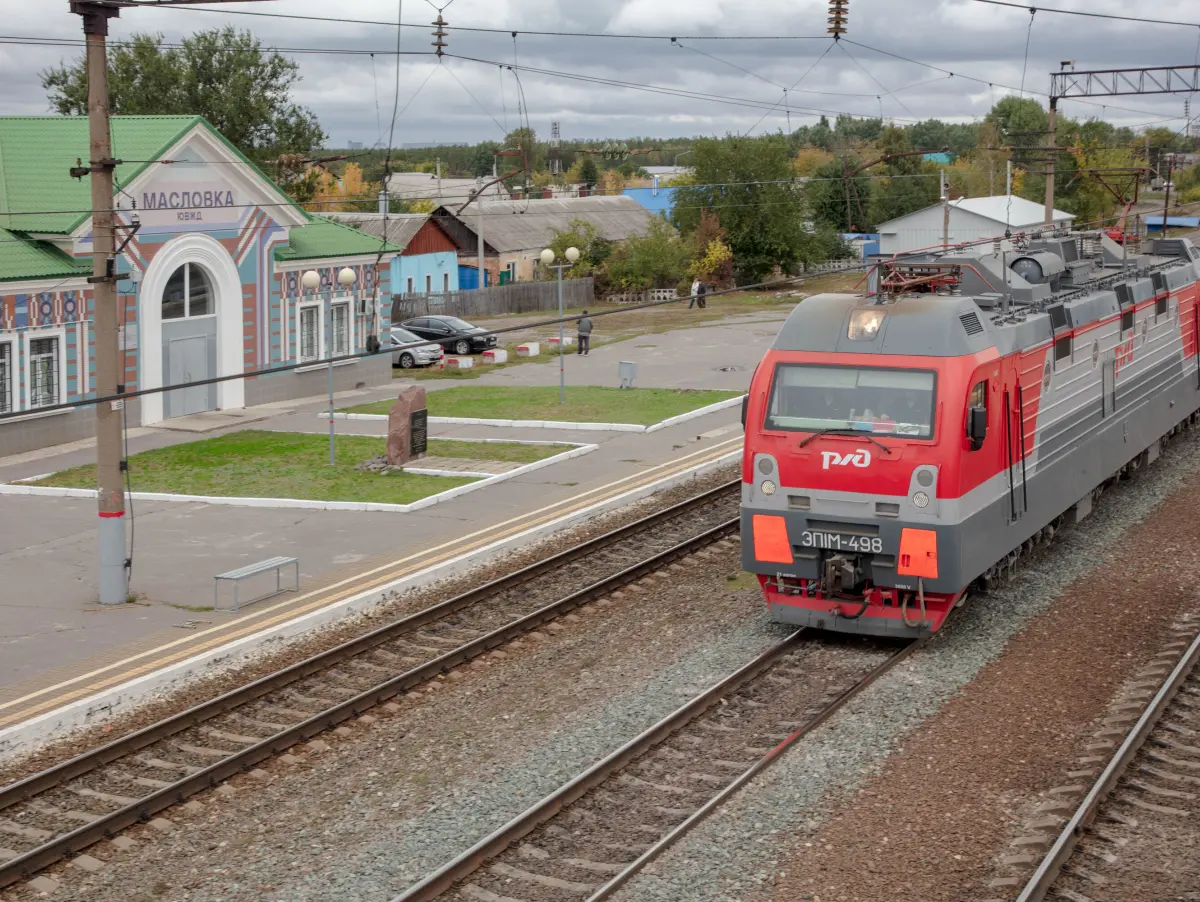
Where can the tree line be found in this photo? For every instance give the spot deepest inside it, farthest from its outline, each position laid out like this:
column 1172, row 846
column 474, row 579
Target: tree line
column 749, row 206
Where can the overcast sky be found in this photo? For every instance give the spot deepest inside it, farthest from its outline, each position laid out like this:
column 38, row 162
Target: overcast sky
column 963, row 36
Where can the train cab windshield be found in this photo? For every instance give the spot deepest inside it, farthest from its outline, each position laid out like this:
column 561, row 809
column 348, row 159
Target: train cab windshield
column 808, row 398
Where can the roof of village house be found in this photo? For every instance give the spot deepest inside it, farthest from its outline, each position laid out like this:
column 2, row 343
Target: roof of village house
column 427, row 186
column 518, row 225
column 398, row 228
column 1017, row 212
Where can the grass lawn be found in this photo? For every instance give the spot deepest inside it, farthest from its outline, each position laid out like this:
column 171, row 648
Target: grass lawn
column 510, row 452
column 585, row 404
column 261, row 464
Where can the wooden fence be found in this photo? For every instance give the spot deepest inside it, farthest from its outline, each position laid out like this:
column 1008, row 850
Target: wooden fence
column 518, row 297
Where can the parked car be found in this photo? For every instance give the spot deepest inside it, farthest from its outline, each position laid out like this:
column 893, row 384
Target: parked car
column 455, row 335
column 413, row 355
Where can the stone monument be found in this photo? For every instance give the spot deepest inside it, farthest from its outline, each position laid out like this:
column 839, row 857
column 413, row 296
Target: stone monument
column 408, row 429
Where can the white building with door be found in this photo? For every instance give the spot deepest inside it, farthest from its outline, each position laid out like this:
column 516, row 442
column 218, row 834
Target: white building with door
column 209, row 280
column 971, row 219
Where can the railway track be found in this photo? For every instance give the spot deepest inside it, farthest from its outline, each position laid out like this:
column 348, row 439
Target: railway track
column 63, row 810
column 1131, row 834
column 588, row 838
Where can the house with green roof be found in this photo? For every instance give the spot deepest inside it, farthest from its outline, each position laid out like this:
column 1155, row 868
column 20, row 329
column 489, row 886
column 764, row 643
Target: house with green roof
column 210, row 280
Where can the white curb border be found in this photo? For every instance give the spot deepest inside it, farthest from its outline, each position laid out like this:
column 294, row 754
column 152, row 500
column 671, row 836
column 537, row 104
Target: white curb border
column 484, row 480
column 28, row 735
column 557, row 424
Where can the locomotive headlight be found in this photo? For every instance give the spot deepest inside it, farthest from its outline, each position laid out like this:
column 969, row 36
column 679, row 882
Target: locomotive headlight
column 767, row 486
column 865, row 323
column 921, row 500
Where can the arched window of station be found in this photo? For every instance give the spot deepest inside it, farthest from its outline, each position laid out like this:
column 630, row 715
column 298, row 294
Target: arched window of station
column 189, row 294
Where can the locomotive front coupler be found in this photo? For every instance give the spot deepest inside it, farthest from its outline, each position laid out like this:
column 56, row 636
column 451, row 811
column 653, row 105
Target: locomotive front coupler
column 841, row 573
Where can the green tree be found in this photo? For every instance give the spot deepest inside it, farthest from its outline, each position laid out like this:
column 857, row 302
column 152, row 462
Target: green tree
column 482, row 159
column 660, row 259
column 525, row 140
column 222, row 74
column 906, row 184
column 593, row 249
column 838, row 202
column 588, row 173
column 748, row 183
column 1021, row 120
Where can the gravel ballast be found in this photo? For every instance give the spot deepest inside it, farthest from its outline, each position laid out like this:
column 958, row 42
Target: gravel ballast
column 381, row 806
column 775, row 830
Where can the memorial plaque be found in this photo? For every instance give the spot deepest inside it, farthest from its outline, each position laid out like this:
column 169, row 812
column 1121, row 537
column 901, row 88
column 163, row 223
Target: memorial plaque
column 418, row 434
column 408, row 427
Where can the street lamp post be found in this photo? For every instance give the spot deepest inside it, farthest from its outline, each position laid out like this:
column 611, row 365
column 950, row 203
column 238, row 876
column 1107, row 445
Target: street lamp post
column 547, row 258
column 312, row 281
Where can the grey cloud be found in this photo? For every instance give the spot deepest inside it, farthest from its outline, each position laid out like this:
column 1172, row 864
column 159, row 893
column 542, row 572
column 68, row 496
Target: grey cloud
column 959, row 35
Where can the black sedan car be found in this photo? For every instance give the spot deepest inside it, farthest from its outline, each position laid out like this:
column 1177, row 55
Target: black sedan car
column 456, row 335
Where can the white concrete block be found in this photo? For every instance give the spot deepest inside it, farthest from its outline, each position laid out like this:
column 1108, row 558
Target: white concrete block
column 495, row 355
column 567, row 341
column 459, row 363
column 529, row 349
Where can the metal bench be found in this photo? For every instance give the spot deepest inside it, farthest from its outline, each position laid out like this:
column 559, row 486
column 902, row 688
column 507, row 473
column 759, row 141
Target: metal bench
column 236, row 576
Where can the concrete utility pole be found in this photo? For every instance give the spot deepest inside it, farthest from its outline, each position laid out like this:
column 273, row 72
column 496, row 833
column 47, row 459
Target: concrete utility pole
column 1167, row 198
column 1050, row 162
column 945, row 210
column 479, row 241
column 113, row 579
column 114, row 563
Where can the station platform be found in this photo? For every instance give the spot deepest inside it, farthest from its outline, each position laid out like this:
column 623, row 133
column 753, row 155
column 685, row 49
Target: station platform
column 62, row 651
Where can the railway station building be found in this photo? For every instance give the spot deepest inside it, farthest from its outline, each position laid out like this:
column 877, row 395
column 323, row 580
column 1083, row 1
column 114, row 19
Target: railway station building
column 209, row 279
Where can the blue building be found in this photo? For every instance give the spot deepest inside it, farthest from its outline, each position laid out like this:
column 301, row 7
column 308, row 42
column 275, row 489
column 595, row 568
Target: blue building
column 428, row 261
column 654, row 199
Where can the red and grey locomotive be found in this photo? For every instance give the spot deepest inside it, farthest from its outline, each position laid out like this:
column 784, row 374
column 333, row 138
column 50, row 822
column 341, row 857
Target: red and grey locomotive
column 906, row 444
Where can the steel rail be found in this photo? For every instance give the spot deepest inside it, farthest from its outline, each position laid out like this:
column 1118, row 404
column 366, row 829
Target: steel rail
column 676, row 834
column 1040, row 883
column 73, row 842
column 523, row 824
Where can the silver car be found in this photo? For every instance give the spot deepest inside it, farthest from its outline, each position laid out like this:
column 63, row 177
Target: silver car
column 417, row 353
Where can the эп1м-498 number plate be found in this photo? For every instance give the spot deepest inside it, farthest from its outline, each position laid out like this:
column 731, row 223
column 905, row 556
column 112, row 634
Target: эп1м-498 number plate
column 837, row 542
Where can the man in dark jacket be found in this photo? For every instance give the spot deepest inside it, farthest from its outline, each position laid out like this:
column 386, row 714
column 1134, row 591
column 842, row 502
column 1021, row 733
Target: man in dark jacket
column 584, row 325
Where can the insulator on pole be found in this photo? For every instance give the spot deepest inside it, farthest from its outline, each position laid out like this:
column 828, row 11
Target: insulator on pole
column 439, row 35
column 838, row 13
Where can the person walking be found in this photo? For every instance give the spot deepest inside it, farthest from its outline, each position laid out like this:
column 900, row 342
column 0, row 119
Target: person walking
column 699, row 289
column 584, row 326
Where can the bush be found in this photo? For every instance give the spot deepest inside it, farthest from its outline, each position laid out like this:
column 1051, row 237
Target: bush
column 659, row 260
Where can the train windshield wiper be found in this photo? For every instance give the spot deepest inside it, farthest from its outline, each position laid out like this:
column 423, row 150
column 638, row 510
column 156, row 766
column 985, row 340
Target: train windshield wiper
column 845, row 430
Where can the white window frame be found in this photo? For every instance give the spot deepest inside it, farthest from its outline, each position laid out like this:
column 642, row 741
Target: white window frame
column 512, row 270
column 410, row 285
column 446, row 282
column 27, row 365
column 344, row 304
column 300, row 308
column 187, row 295
column 11, row 388
column 429, row 283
